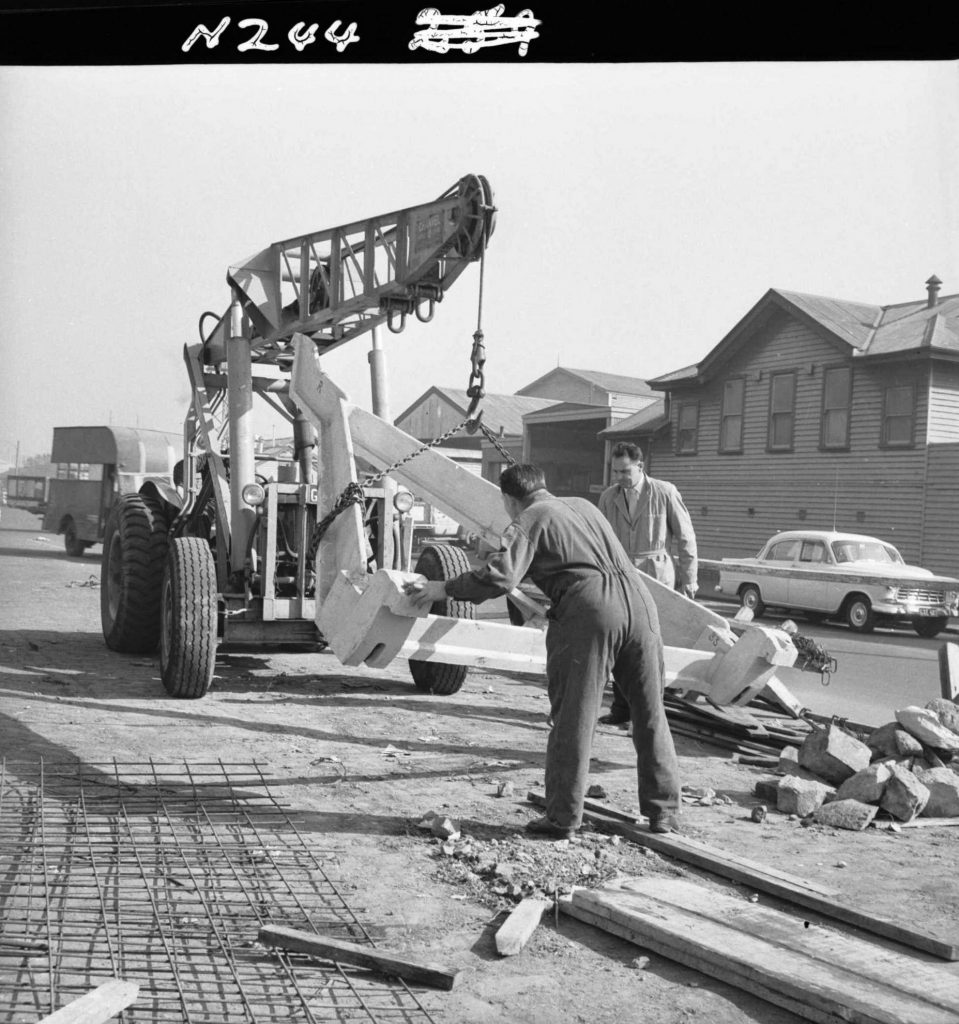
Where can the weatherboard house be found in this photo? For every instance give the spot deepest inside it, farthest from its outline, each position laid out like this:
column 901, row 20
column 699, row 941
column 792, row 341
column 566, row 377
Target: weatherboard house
column 817, row 412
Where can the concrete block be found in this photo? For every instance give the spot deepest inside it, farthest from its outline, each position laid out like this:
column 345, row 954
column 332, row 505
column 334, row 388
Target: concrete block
column 788, row 758
column 926, row 727
column 800, row 796
column 851, row 814
column 946, row 711
column 943, row 786
column 890, row 740
column 833, row 754
column 767, row 790
column 904, row 796
column 866, row 786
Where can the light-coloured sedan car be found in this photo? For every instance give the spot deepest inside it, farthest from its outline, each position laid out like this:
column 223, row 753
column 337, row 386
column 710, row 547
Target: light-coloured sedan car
column 861, row 580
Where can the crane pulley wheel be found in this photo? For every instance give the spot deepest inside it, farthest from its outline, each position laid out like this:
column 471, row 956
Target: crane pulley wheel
column 480, row 218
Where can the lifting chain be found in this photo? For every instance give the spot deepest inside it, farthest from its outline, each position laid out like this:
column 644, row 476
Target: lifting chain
column 475, row 388
column 353, row 493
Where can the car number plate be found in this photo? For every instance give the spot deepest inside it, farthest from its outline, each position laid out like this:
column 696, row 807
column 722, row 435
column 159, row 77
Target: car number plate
column 933, row 611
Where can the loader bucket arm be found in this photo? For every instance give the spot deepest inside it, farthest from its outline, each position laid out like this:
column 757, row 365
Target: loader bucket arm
column 367, row 619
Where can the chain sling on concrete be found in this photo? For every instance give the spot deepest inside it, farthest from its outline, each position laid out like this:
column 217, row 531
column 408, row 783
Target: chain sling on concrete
column 353, row 493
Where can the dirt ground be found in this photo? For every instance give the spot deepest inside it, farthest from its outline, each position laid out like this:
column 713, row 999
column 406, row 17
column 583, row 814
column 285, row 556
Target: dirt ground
column 368, row 756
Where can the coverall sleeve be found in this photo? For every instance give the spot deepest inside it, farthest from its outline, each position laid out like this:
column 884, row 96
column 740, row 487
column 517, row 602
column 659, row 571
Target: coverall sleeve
column 681, row 527
column 503, row 570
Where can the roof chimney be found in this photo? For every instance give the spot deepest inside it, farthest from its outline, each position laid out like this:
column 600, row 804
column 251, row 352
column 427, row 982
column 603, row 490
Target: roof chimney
column 932, row 288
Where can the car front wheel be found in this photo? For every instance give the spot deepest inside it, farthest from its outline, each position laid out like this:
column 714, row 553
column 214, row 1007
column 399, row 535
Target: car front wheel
column 930, row 627
column 859, row 614
column 751, row 598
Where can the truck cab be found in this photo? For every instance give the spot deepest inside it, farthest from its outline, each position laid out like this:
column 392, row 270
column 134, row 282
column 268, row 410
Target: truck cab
column 94, row 465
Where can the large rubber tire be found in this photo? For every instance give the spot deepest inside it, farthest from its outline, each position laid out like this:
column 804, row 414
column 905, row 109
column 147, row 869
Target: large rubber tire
column 750, row 598
column 188, row 618
column 442, row 562
column 859, row 614
column 930, row 627
column 131, row 574
column 74, row 546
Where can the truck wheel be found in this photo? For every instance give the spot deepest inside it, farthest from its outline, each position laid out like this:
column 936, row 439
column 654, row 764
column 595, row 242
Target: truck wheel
column 859, row 614
column 442, row 562
column 188, row 618
column 131, row 574
column 75, row 547
column 930, row 627
column 751, row 598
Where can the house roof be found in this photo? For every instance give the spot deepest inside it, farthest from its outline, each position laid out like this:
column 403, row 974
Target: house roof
column 586, row 411
column 858, row 328
column 613, row 382
column 499, row 411
column 646, row 421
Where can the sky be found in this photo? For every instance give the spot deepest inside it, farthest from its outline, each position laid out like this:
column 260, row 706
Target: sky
column 642, row 210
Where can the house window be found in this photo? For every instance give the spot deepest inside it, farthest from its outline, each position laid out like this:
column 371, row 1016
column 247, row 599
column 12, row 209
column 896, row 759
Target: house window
column 688, row 428
column 836, row 405
column 782, row 411
column 898, row 414
column 731, row 421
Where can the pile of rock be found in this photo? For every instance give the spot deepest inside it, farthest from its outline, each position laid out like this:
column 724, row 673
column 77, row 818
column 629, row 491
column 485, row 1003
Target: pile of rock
column 905, row 768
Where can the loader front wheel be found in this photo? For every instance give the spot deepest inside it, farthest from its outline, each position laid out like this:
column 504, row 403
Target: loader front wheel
column 188, row 618
column 442, row 562
column 131, row 574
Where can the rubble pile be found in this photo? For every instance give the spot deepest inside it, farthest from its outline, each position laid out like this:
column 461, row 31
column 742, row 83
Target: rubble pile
column 904, row 769
column 500, row 871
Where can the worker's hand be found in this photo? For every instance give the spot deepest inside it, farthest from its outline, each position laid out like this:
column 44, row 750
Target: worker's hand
column 690, row 590
column 425, row 592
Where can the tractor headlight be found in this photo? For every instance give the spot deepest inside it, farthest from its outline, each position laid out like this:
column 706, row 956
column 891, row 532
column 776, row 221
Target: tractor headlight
column 402, row 501
column 253, row 495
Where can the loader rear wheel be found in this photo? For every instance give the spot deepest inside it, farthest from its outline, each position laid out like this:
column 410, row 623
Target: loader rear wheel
column 131, row 574
column 188, row 618
column 442, row 562
column 71, row 542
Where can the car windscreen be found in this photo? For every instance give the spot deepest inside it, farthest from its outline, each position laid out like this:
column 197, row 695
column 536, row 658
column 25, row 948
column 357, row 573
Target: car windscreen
column 865, row 551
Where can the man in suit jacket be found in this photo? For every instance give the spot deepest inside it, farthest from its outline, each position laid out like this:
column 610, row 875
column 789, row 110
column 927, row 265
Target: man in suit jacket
column 647, row 515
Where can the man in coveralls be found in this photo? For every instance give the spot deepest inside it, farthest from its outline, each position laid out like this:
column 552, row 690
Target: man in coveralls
column 647, row 515
column 602, row 621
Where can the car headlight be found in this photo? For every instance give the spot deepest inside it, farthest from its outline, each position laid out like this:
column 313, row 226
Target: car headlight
column 892, row 593
column 253, row 494
column 402, row 501
column 952, row 598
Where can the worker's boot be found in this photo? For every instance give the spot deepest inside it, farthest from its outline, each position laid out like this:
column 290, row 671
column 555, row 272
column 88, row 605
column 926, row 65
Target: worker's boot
column 543, row 828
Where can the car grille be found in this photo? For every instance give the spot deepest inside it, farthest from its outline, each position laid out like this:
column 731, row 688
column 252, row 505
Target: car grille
column 921, row 595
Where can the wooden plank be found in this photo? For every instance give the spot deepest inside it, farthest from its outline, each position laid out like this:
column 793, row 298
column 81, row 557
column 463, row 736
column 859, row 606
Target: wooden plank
column 516, row 930
column 818, row 967
column 689, row 959
column 949, row 670
column 777, row 883
column 104, row 1002
column 360, row 956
